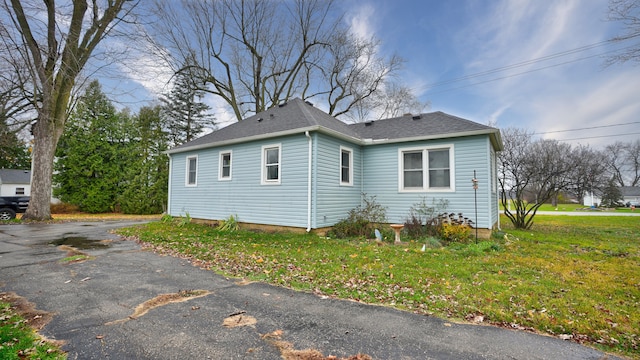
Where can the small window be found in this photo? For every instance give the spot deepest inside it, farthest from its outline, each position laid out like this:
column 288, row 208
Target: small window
column 192, row 171
column 271, row 165
column 20, row 191
column 426, row 169
column 346, row 166
column 225, row 166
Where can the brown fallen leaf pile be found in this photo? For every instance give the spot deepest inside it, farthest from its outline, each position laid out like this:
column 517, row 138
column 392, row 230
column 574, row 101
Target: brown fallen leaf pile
column 161, row 300
column 289, row 353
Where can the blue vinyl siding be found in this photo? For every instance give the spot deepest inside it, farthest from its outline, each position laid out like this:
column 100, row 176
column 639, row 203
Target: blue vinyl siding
column 333, row 200
column 375, row 173
column 470, row 153
column 283, row 204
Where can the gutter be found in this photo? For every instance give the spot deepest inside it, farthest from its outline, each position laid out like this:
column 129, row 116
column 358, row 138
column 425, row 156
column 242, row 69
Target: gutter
column 168, row 211
column 310, row 141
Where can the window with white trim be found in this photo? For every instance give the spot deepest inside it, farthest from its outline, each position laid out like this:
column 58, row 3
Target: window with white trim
column 271, row 169
column 224, row 173
column 426, row 169
column 192, row 171
column 346, row 166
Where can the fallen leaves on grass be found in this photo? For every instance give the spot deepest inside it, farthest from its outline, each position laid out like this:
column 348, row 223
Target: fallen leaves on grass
column 36, row 319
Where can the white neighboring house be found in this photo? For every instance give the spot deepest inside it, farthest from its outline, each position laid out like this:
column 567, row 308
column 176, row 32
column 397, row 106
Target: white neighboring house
column 15, row 182
column 630, row 194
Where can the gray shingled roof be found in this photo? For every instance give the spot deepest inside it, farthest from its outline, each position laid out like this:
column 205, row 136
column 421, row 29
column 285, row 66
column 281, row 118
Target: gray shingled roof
column 11, row 176
column 410, row 126
column 630, row 191
column 297, row 116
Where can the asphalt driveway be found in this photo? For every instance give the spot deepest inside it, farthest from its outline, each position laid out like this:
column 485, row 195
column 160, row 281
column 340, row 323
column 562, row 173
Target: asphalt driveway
column 196, row 314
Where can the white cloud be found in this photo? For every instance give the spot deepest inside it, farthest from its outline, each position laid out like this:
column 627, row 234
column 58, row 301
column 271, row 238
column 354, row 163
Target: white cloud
column 147, row 69
column 608, row 102
column 362, row 21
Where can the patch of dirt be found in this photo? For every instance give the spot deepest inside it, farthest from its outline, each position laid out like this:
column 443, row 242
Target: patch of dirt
column 239, row 319
column 244, row 282
column 71, row 251
column 288, row 352
column 36, row 319
column 161, row 300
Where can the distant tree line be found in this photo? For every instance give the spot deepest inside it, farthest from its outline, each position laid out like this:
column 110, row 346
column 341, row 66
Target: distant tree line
column 532, row 172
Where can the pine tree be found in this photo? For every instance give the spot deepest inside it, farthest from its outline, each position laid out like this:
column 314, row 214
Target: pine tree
column 185, row 114
column 14, row 154
column 147, row 179
column 611, row 195
column 93, row 154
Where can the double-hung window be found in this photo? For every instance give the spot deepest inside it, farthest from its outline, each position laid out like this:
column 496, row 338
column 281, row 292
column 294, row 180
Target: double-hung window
column 224, row 172
column 271, row 169
column 426, row 169
column 192, row 171
column 346, row 166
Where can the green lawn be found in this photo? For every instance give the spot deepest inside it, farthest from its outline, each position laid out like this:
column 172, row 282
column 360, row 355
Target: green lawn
column 19, row 341
column 571, row 207
column 574, row 277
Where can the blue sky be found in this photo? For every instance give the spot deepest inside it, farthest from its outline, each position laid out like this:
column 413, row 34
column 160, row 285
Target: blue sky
column 445, row 41
column 449, row 45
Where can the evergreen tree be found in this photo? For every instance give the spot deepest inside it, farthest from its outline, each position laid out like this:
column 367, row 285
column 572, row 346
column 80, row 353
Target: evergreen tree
column 147, row 178
column 93, row 154
column 14, row 154
column 611, row 195
column 185, row 114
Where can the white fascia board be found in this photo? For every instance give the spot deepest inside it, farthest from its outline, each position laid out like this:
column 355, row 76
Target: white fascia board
column 495, row 139
column 267, row 136
column 495, row 142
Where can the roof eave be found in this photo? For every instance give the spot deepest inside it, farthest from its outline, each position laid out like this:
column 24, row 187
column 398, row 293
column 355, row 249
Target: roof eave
column 302, row 130
column 494, row 134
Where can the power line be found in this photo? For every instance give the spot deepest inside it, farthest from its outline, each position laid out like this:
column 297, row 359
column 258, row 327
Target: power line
column 520, row 64
column 520, row 73
column 599, row 136
column 529, row 62
column 587, row 128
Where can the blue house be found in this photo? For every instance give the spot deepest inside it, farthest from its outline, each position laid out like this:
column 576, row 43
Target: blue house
column 296, row 166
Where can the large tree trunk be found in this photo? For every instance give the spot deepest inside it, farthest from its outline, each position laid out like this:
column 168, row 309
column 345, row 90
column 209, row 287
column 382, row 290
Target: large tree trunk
column 46, row 139
column 55, row 60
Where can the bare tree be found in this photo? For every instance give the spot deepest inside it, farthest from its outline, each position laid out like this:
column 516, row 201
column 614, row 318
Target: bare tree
column 632, row 156
column 392, row 100
column 588, row 171
column 623, row 162
column 258, row 53
column 626, row 12
column 616, row 162
column 55, row 42
column 530, row 173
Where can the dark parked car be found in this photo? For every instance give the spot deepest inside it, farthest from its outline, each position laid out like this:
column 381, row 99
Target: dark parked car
column 11, row 205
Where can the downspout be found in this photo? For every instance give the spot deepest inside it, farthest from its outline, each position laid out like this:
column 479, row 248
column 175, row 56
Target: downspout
column 168, row 210
column 495, row 186
column 306, row 133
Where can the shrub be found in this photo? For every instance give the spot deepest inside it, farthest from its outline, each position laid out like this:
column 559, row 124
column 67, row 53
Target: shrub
column 362, row 220
column 230, row 224
column 423, row 220
column 455, row 232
